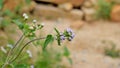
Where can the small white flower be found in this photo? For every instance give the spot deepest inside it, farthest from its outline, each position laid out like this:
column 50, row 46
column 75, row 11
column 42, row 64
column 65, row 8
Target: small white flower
column 9, row 45
column 3, row 49
column 29, row 53
column 26, row 17
column 24, row 14
column 34, row 21
column 32, row 66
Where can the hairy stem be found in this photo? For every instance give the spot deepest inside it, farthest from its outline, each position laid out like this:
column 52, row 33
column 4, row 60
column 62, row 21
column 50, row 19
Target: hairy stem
column 24, row 47
column 14, row 50
column 6, row 61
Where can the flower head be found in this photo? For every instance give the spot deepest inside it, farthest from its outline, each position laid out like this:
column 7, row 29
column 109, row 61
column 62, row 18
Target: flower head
column 62, row 37
column 69, row 34
column 69, row 30
column 25, row 16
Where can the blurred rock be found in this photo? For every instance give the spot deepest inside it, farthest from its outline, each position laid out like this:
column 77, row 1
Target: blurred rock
column 77, row 2
column 94, row 2
column 66, row 6
column 89, row 13
column 59, row 1
column 74, row 2
column 50, row 12
column 29, row 7
column 10, row 4
column 115, row 13
column 13, row 4
column 87, row 4
column 77, row 13
column 77, row 24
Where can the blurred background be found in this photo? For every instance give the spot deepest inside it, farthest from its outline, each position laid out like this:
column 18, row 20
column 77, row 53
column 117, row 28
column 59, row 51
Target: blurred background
column 96, row 24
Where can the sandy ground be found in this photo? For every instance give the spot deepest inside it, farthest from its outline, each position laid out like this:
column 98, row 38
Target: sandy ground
column 87, row 48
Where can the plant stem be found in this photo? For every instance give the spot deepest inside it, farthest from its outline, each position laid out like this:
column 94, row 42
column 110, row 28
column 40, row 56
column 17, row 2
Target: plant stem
column 4, row 65
column 6, row 61
column 24, row 47
column 14, row 51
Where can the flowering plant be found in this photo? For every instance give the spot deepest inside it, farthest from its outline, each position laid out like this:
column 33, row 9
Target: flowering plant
column 29, row 32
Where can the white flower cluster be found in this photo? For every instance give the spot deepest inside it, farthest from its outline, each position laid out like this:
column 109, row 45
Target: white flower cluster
column 25, row 16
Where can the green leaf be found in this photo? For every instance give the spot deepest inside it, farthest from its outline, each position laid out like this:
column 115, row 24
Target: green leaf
column 66, row 52
column 21, row 66
column 57, row 31
column 58, row 34
column 18, row 23
column 58, row 40
column 49, row 39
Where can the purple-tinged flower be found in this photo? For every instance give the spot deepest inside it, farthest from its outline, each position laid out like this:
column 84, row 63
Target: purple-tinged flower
column 73, row 35
column 70, row 34
column 69, row 30
column 62, row 37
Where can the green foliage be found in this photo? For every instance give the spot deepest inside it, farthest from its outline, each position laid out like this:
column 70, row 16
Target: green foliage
column 22, row 62
column 1, row 4
column 21, row 66
column 49, row 39
column 67, row 54
column 58, row 36
column 4, row 23
column 50, row 58
column 112, row 52
column 104, row 9
column 7, row 17
column 28, row 1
